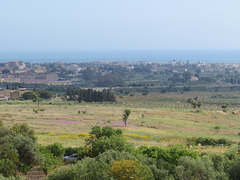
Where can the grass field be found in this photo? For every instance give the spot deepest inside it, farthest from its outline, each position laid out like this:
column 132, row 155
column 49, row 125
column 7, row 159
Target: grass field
column 156, row 119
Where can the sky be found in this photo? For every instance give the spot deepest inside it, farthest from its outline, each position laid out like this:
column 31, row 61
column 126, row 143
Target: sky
column 119, row 24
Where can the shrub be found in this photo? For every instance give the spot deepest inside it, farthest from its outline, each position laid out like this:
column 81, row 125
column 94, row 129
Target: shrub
column 24, row 130
column 190, row 168
column 129, row 169
column 7, row 168
column 86, row 169
column 234, row 172
column 28, row 154
column 113, row 155
column 212, row 142
column 106, row 143
column 170, row 155
column 17, row 149
column 35, row 110
column 11, row 178
column 84, row 152
column 56, row 149
column 105, row 131
column 49, row 162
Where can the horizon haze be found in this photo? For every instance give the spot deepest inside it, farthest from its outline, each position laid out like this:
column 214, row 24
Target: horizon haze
column 181, row 30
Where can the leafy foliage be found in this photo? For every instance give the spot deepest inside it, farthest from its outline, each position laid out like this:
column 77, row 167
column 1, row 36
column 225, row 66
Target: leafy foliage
column 129, row 169
column 89, row 95
column 170, row 155
column 104, row 139
column 51, row 156
column 24, row 130
column 212, row 142
column 126, row 114
column 17, row 149
column 87, row 169
column 190, row 168
column 29, row 95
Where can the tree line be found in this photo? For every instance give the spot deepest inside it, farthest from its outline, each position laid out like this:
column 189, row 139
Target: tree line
column 89, row 95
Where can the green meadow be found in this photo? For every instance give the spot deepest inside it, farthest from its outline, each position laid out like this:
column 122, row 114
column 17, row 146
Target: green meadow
column 156, row 119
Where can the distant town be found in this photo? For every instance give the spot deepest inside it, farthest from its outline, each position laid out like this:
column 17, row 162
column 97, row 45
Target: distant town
column 60, row 73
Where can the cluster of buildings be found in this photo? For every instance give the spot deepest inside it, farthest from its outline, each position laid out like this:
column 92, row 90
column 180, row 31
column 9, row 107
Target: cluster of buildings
column 60, row 73
column 9, row 94
column 19, row 72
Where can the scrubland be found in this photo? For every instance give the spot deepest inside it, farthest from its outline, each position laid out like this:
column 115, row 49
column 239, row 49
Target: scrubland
column 156, row 119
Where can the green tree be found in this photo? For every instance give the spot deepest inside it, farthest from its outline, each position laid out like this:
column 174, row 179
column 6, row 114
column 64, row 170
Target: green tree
column 104, row 139
column 18, row 149
column 44, row 94
column 56, row 149
column 126, row 114
column 29, row 95
column 24, row 130
column 37, row 99
column 201, row 168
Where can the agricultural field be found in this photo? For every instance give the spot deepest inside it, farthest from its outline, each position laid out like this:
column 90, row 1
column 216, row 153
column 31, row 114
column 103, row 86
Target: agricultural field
column 156, row 119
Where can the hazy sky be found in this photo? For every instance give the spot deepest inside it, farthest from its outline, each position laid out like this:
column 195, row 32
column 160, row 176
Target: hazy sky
column 119, row 24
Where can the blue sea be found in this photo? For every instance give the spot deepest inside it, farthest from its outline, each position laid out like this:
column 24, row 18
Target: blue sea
column 162, row 56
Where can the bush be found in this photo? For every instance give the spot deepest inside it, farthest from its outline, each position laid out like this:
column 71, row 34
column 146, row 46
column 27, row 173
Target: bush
column 113, row 155
column 49, row 162
column 129, row 169
column 170, row 155
column 24, row 130
column 17, row 148
column 160, row 168
column 86, row 169
column 11, row 178
column 35, row 110
column 190, row 168
column 105, row 131
column 212, row 142
column 105, row 143
column 7, row 168
column 234, row 172
column 56, row 149
column 104, row 139
column 27, row 152
column 84, row 152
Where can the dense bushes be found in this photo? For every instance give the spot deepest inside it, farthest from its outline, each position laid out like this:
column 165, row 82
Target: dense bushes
column 103, row 139
column 18, row 150
column 190, row 168
column 213, row 142
column 108, row 156
column 170, row 155
column 129, row 169
column 51, row 156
